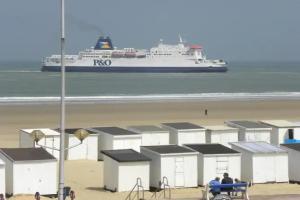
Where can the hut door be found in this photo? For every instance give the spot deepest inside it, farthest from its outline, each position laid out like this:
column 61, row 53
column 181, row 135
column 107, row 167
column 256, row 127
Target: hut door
column 179, row 172
column 269, row 165
column 222, row 165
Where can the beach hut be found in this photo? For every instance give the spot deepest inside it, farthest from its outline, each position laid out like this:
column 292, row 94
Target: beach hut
column 29, row 170
column 216, row 159
column 2, row 177
column 123, row 168
column 50, row 139
column 112, row 138
column 283, row 131
column 294, row 161
column 251, row 131
column 89, row 148
column 151, row 135
column 221, row 134
column 174, row 164
column 262, row 162
column 185, row 133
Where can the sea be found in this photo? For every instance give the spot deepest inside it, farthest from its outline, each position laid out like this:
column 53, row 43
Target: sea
column 23, row 82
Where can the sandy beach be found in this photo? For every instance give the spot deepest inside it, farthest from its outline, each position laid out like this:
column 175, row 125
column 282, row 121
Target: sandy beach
column 90, row 183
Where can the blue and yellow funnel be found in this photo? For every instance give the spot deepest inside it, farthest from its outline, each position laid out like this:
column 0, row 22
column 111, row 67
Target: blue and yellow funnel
column 104, row 44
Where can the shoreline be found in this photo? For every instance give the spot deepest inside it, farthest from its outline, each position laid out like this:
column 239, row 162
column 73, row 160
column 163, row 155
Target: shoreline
column 266, row 96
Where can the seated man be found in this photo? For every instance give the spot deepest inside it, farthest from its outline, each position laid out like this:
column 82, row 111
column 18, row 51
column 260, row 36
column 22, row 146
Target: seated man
column 215, row 191
column 227, row 180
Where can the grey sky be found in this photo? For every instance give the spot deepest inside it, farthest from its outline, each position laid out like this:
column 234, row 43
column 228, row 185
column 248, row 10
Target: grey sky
column 230, row 29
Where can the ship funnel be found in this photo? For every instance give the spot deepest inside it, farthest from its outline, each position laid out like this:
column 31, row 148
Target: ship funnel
column 104, row 44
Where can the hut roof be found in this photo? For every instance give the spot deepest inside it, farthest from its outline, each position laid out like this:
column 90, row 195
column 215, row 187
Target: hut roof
column 183, row 125
column 114, row 131
column 258, row 147
column 125, row 155
column 147, row 128
column 212, row 149
column 169, row 149
column 294, row 146
column 26, row 154
column 249, row 124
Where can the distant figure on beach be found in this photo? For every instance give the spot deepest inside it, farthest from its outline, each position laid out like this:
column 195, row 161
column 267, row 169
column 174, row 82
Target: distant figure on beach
column 227, row 180
column 215, row 191
column 37, row 196
column 205, row 111
column 72, row 195
column 2, row 197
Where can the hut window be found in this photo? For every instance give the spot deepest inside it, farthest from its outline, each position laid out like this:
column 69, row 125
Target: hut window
column 291, row 134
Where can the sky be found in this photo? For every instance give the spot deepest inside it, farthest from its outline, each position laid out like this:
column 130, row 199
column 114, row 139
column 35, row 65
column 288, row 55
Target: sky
column 249, row 30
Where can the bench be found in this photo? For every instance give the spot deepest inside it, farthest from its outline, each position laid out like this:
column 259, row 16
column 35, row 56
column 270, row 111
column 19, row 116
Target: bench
column 233, row 190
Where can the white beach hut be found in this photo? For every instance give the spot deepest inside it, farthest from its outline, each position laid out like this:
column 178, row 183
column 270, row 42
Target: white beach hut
column 216, row 159
column 250, row 131
column 123, row 168
column 282, row 130
column 112, row 138
column 185, row 133
column 51, row 139
column 152, row 135
column 177, row 163
column 88, row 150
column 2, row 177
column 262, row 162
column 294, row 161
column 221, row 135
column 29, row 170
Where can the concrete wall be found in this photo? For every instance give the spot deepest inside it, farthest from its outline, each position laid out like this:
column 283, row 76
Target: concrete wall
column 223, row 137
column 2, row 178
column 8, row 174
column 177, row 177
column 191, row 137
column 270, row 168
column 110, row 174
column 110, row 142
column 155, row 167
column 246, row 164
column 212, row 166
column 127, row 143
column 106, row 143
column 33, row 176
column 25, row 140
column 130, row 171
column 258, row 135
column 149, row 139
column 294, row 163
column 87, row 150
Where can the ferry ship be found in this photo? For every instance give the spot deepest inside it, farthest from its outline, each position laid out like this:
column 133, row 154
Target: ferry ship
column 163, row 58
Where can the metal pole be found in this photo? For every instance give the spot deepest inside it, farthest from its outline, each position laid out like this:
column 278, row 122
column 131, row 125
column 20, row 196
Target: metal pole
column 62, row 104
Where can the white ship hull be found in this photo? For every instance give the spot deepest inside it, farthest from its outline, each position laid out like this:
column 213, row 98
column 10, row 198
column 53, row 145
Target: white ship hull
column 164, row 58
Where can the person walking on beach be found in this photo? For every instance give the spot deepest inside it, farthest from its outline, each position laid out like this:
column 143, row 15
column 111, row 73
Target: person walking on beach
column 2, row 197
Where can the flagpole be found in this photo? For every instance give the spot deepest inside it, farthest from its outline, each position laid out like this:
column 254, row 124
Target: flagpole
column 62, row 106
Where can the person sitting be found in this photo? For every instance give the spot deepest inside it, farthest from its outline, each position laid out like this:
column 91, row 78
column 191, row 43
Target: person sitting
column 215, row 191
column 227, row 180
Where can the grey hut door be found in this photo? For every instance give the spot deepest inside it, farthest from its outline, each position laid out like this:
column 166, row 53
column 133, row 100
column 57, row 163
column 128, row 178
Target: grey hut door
column 179, row 172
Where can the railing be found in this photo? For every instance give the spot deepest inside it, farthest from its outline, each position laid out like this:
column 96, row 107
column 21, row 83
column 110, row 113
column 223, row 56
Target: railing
column 164, row 185
column 139, row 189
